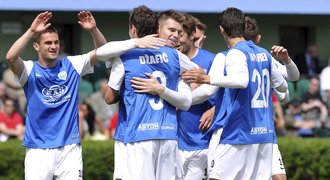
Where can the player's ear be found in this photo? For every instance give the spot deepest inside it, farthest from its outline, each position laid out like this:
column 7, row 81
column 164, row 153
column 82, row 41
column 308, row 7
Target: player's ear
column 258, row 39
column 132, row 31
column 192, row 36
column 221, row 29
column 36, row 46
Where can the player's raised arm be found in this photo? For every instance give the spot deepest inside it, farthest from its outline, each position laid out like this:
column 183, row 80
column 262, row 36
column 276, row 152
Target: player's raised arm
column 290, row 72
column 87, row 22
column 39, row 24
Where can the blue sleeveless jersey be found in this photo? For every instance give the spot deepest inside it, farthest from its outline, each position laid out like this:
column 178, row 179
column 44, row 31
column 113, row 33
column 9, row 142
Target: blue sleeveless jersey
column 52, row 106
column 145, row 116
column 246, row 115
column 190, row 137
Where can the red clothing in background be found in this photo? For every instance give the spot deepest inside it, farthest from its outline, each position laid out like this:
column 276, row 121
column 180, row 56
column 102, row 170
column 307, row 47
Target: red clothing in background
column 11, row 121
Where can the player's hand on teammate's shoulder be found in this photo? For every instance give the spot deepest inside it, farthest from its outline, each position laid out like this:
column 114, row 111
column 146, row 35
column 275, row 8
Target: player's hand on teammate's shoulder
column 150, row 41
column 86, row 20
column 281, row 53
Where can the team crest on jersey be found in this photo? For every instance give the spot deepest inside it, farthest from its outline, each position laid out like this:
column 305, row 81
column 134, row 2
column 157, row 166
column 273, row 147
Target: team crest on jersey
column 62, row 75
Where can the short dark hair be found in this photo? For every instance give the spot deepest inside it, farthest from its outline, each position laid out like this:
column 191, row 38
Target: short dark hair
column 50, row 29
column 189, row 25
column 171, row 14
column 145, row 21
column 251, row 29
column 199, row 25
column 232, row 20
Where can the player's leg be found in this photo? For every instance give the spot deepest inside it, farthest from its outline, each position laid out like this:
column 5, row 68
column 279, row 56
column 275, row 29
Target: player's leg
column 197, row 165
column 214, row 143
column 120, row 160
column 244, row 156
column 179, row 164
column 185, row 155
column 278, row 169
column 166, row 160
column 263, row 166
column 69, row 162
column 39, row 164
column 141, row 160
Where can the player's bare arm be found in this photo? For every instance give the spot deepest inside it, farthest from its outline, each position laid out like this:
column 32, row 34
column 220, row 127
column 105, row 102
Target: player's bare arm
column 88, row 23
column 39, row 24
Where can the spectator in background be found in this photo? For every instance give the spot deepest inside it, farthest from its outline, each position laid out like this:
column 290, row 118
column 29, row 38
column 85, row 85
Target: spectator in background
column 87, row 122
column 309, row 62
column 3, row 95
column 63, row 51
column 103, row 111
column 295, row 121
column 11, row 122
column 325, row 84
column 113, row 125
column 15, row 91
column 313, row 108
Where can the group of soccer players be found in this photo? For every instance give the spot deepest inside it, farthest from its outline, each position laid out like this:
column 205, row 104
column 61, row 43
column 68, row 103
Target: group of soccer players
column 165, row 85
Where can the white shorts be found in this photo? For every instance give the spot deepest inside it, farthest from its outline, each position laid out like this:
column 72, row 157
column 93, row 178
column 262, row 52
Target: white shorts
column 251, row 161
column 151, row 159
column 194, row 164
column 120, row 160
column 61, row 163
column 278, row 165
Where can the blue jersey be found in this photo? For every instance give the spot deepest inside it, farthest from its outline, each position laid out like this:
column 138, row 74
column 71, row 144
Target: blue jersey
column 52, row 105
column 246, row 115
column 144, row 116
column 122, row 118
column 190, row 137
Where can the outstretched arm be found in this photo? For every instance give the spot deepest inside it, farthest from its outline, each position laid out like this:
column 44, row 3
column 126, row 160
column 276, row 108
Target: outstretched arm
column 290, row 72
column 87, row 22
column 116, row 48
column 39, row 24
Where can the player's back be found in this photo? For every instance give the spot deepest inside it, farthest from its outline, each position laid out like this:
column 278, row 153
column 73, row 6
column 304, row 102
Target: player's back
column 148, row 116
column 248, row 112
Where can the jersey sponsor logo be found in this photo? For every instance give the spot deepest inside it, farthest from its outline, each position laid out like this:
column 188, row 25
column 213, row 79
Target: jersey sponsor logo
column 153, row 59
column 259, row 130
column 55, row 91
column 259, row 57
column 169, row 127
column 148, row 126
column 62, row 75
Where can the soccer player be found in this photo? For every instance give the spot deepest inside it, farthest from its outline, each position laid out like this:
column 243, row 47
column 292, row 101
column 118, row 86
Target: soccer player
column 243, row 127
column 147, row 124
column 192, row 142
column 289, row 71
column 51, row 86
